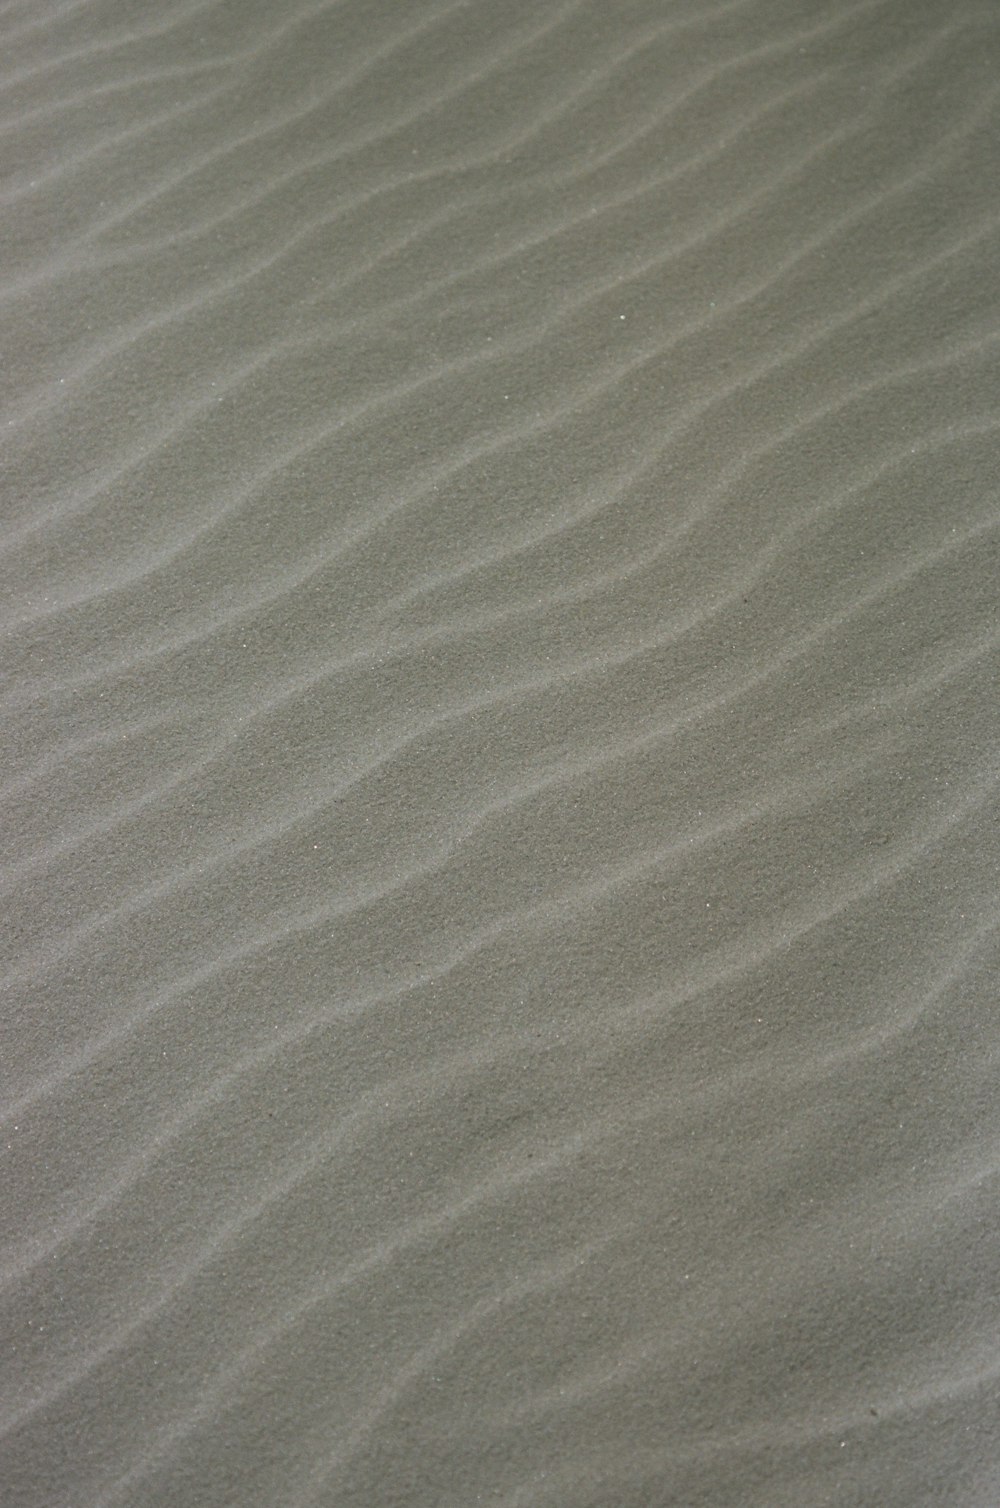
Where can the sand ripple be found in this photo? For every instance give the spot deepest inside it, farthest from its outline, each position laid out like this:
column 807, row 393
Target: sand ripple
column 498, row 807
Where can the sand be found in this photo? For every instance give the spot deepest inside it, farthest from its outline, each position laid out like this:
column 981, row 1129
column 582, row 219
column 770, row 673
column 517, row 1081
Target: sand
column 500, row 769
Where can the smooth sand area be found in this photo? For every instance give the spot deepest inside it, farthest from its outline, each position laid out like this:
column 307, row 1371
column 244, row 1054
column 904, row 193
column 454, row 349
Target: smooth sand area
column 500, row 777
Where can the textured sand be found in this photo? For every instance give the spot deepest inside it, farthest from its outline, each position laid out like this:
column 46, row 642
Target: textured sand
column 499, row 565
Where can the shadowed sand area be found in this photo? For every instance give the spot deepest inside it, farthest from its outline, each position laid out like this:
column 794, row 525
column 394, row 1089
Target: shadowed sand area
column 499, row 578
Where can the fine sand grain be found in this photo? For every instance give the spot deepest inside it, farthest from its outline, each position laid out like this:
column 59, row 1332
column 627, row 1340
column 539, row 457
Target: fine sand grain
column 500, row 562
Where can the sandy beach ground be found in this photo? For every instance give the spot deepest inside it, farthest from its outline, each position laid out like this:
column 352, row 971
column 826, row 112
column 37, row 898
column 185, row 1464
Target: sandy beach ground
column 500, row 774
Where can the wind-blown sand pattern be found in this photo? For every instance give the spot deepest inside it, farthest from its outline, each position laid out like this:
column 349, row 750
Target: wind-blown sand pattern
column 501, row 754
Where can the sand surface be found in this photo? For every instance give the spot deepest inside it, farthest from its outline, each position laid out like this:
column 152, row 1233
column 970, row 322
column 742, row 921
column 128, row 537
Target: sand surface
column 499, row 578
